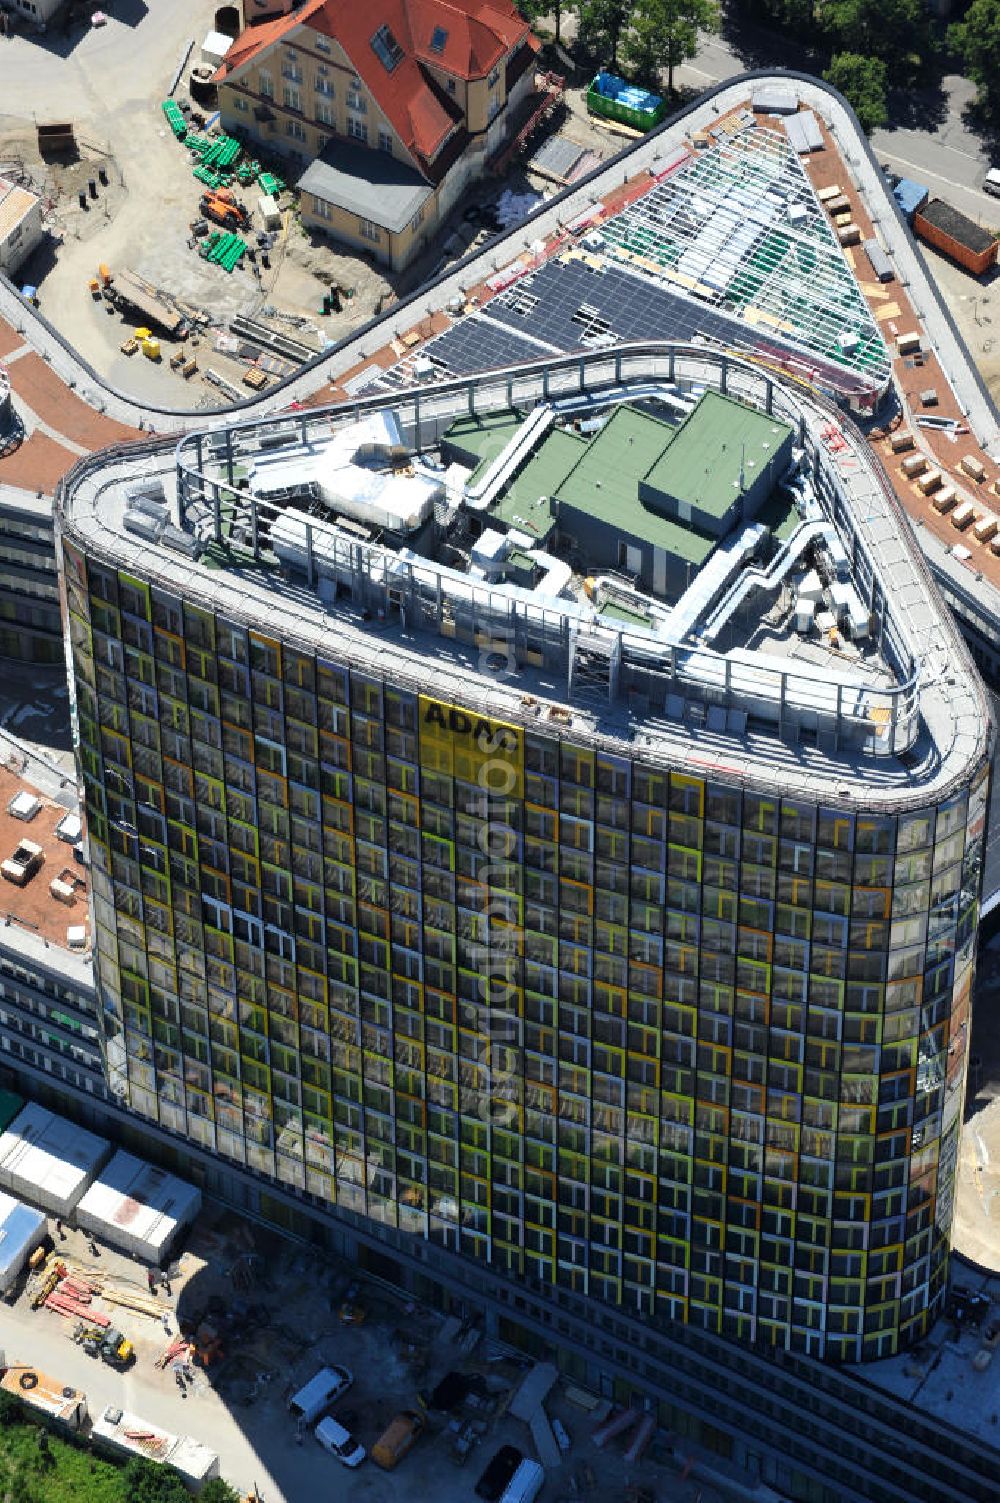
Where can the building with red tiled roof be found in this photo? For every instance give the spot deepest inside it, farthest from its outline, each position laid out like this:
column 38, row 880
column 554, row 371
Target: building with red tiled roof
column 391, row 109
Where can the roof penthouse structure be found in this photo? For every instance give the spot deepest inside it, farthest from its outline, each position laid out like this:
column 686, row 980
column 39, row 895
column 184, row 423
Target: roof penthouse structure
column 542, row 813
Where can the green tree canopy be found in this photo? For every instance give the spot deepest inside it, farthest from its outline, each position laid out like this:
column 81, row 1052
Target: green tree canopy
column 892, row 30
column 218, row 1491
column 862, row 81
column 647, row 35
column 602, row 26
column 664, row 34
column 149, row 1483
column 977, row 42
column 535, row 10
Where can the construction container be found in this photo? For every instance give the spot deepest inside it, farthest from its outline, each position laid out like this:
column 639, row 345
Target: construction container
column 48, row 1161
column 825, row 195
column 910, row 197
column 839, row 205
column 270, row 215
column 849, row 234
column 774, row 99
column 124, row 1434
column 901, row 441
column 956, row 235
column 985, row 529
column 131, row 292
column 803, row 132
column 973, row 467
column 138, row 1208
column 963, row 516
column 944, row 499
column 928, row 481
column 151, row 349
column 50, row 1396
column 913, row 465
column 908, row 344
column 22, row 1232
column 614, row 99
column 55, row 139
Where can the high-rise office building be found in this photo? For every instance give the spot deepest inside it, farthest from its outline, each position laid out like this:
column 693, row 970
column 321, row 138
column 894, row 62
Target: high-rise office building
column 544, row 814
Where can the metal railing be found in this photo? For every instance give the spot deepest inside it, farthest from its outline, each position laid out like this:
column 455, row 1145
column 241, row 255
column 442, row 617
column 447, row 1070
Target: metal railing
column 883, row 721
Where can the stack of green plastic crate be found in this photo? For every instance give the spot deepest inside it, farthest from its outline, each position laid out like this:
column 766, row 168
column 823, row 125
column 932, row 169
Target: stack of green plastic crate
column 224, row 249
column 175, row 119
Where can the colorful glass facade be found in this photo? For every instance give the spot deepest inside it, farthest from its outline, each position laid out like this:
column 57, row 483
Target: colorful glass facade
column 677, row 1044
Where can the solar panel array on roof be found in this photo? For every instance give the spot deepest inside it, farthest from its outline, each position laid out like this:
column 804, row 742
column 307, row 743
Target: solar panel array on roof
column 473, row 344
column 568, row 306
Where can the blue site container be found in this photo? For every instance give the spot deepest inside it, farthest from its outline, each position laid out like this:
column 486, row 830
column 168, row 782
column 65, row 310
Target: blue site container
column 910, row 196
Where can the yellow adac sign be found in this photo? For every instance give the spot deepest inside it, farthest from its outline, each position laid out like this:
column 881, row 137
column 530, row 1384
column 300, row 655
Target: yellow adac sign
column 476, row 748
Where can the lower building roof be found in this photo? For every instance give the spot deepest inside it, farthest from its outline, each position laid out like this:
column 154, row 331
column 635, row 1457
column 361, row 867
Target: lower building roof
column 716, row 454
column 604, row 484
column 371, row 184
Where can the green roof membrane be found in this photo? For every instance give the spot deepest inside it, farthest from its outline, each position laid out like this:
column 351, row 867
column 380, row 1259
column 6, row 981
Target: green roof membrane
column 605, row 484
column 484, row 437
column 715, row 455
column 540, row 478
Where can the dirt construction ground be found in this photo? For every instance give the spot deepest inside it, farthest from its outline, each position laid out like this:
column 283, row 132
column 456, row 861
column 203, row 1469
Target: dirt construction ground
column 110, row 83
column 269, row 1314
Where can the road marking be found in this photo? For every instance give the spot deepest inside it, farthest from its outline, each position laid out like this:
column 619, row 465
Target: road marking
column 700, row 73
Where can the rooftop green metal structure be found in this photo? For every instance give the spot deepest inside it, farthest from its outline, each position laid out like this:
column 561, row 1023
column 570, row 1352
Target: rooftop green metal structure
column 740, row 226
column 698, row 461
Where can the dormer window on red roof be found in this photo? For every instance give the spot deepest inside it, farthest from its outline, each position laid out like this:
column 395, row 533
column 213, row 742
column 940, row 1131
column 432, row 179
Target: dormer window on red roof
column 387, row 49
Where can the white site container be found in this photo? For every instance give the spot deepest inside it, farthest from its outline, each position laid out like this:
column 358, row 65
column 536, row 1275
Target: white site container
column 22, row 1229
column 48, row 1161
column 138, row 1208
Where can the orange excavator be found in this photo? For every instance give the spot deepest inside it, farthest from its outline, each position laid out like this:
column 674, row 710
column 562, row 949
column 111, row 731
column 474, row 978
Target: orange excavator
column 220, row 205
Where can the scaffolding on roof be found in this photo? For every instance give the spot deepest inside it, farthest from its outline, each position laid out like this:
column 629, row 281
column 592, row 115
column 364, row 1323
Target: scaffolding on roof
column 740, row 227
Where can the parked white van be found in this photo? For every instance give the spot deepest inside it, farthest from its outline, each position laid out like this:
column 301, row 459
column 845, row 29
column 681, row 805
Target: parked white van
column 525, row 1485
column 339, row 1442
column 319, row 1393
column 991, row 182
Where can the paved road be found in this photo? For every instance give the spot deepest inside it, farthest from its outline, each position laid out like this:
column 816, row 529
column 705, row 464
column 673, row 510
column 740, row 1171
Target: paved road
column 946, row 154
column 90, row 72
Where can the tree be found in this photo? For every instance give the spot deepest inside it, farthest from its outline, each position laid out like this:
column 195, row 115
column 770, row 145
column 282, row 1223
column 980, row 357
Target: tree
column 862, row 81
column 149, row 1482
column 602, row 25
column 11, row 1408
column 218, row 1491
column 977, row 42
column 535, row 10
column 892, row 30
column 664, row 34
